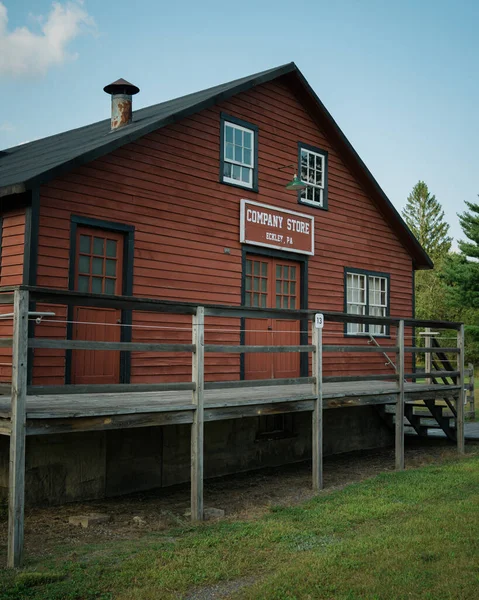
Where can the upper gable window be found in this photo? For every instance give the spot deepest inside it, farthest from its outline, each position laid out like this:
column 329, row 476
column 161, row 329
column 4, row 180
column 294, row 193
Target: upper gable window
column 238, row 153
column 313, row 171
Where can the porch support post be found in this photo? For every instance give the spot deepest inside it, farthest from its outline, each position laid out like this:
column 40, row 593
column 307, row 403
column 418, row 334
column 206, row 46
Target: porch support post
column 317, row 341
column 16, row 484
column 460, row 398
column 197, row 428
column 400, row 398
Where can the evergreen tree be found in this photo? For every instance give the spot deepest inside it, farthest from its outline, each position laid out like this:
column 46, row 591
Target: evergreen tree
column 425, row 218
column 460, row 274
column 461, row 271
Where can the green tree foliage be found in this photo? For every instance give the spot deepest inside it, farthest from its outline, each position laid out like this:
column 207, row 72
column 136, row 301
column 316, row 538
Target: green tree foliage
column 460, row 277
column 425, row 218
column 460, row 272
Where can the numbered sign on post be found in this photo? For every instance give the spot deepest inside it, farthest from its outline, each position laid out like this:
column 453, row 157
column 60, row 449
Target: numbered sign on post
column 319, row 320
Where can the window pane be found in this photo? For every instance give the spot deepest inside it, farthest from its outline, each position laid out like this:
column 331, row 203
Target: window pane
column 256, row 268
column 248, row 267
column 286, row 272
column 247, row 157
column 245, row 174
column 83, row 284
column 311, row 161
column 263, row 301
column 285, row 287
column 248, row 284
column 255, row 299
column 98, row 246
column 278, row 287
column 85, row 244
column 238, row 137
column 263, row 285
column 109, row 286
column 318, row 196
column 229, row 151
column 227, row 168
column 111, row 248
column 293, row 287
column 229, row 133
column 293, row 302
column 278, row 301
column 264, row 269
column 239, row 154
column 96, row 285
column 97, row 266
column 236, row 172
column 278, row 272
column 247, row 139
column 84, row 264
column 110, row 268
column 256, row 284
column 285, row 302
column 248, row 300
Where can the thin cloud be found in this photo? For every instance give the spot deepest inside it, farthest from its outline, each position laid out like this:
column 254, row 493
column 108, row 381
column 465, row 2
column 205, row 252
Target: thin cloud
column 24, row 53
column 7, row 127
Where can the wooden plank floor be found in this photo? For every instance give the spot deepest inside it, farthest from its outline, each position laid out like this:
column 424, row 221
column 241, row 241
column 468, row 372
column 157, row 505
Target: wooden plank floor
column 67, row 406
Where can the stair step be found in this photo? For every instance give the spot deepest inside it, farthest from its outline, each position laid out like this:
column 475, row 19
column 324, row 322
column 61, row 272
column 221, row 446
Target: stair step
column 426, row 423
column 431, row 422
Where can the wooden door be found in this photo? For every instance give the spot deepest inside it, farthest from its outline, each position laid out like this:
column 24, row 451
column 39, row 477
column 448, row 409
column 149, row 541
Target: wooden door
column 272, row 283
column 98, row 269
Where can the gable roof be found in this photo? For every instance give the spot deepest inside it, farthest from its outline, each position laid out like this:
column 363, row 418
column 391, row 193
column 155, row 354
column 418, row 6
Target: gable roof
column 29, row 165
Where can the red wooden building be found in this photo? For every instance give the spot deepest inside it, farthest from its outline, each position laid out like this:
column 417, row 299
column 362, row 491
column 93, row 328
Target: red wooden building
column 188, row 201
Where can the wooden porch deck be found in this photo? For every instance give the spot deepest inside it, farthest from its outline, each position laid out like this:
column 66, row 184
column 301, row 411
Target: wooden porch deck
column 35, row 409
column 59, row 413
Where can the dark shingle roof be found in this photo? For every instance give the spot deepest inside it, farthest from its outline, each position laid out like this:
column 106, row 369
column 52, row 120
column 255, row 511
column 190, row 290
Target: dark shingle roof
column 24, row 166
column 28, row 165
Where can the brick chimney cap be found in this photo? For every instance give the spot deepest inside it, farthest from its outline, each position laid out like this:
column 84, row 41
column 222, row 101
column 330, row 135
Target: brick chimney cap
column 121, row 86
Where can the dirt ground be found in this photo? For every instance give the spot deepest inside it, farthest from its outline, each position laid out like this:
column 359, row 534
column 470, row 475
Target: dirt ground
column 241, row 496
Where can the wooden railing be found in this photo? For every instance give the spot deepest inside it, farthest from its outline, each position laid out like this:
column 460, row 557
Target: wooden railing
column 23, row 341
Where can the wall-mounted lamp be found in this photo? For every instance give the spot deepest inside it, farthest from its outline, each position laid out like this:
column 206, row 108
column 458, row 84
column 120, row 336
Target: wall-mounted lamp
column 295, row 183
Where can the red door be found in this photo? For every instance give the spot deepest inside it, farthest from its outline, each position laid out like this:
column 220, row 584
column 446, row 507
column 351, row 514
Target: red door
column 272, row 283
column 98, row 269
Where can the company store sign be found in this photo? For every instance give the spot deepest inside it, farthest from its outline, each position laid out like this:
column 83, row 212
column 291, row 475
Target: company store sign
column 264, row 225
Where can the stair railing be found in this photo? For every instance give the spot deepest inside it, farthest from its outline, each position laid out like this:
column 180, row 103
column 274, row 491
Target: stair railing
column 389, row 362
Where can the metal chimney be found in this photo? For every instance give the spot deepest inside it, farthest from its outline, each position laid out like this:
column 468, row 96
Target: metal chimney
column 121, row 103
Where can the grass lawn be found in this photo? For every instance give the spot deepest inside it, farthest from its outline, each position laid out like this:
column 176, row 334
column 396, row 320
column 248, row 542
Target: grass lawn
column 413, row 534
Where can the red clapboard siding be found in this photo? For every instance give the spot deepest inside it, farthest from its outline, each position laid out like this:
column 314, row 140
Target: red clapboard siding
column 11, row 273
column 166, row 184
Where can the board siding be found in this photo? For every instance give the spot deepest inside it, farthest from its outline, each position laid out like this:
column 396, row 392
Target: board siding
column 187, row 246
column 11, row 273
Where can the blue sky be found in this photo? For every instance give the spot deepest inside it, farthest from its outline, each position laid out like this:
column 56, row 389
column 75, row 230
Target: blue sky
column 400, row 78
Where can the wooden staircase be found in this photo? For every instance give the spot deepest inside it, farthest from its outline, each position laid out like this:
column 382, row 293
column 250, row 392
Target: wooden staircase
column 422, row 416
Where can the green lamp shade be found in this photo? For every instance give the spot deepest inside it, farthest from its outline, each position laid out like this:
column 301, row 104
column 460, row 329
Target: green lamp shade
column 295, row 184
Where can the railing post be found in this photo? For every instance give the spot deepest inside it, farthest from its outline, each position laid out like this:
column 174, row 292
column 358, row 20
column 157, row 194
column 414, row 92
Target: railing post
column 16, row 484
column 317, row 372
column 400, row 397
column 460, row 397
column 428, row 355
column 197, row 427
column 470, row 388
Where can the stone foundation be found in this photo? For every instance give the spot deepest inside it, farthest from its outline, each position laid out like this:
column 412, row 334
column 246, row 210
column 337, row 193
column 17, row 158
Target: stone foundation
column 86, row 466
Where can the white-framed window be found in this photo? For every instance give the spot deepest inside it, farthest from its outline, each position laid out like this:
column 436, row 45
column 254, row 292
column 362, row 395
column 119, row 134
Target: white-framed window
column 367, row 294
column 238, row 160
column 313, row 172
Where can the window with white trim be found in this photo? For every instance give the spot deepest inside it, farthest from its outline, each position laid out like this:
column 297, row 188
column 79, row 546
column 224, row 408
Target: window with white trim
column 313, row 172
column 238, row 155
column 366, row 294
